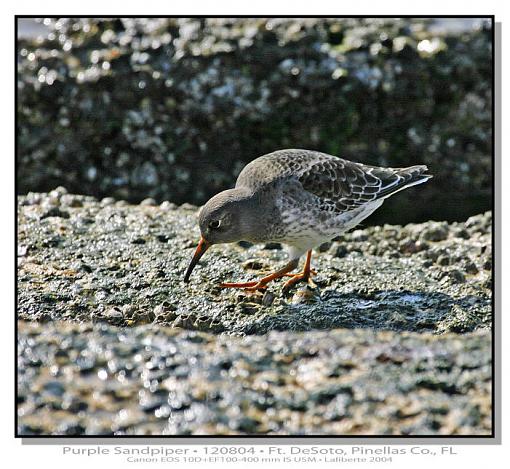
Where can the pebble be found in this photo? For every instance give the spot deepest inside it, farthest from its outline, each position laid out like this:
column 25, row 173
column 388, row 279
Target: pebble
column 470, row 267
column 149, row 202
column 107, row 201
column 254, row 264
column 187, row 206
column 114, row 313
column 55, row 212
column 324, row 247
column 339, row 250
column 166, row 205
column 435, row 231
column 245, row 244
column 268, row 298
column 273, row 246
column 443, row 260
column 71, row 201
column 457, row 276
column 305, row 295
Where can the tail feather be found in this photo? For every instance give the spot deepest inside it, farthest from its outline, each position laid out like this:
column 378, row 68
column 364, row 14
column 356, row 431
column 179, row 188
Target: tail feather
column 413, row 172
column 397, row 179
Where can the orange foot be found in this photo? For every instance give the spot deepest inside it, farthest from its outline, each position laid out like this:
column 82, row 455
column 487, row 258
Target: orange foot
column 301, row 277
column 305, row 275
column 262, row 283
column 312, row 272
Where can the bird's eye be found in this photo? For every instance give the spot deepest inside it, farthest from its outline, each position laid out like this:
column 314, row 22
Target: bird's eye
column 214, row 224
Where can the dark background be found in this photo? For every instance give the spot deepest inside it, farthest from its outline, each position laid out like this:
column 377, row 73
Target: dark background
column 174, row 108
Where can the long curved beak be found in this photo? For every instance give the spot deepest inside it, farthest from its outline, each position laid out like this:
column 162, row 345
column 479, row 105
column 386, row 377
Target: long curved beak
column 203, row 246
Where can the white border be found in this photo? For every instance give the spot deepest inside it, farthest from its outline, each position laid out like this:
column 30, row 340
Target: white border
column 23, row 456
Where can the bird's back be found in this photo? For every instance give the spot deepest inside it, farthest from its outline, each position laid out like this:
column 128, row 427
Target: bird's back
column 274, row 166
column 338, row 185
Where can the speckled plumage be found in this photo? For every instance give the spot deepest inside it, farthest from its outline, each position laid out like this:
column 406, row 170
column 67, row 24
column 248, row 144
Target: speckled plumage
column 299, row 198
column 310, row 197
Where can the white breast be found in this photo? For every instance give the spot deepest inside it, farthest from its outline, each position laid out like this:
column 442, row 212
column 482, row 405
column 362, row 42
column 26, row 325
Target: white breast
column 305, row 233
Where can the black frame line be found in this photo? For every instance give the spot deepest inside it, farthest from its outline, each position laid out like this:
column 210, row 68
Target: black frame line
column 237, row 439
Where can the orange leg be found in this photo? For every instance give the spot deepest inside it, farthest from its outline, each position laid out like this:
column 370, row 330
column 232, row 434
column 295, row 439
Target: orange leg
column 262, row 283
column 304, row 276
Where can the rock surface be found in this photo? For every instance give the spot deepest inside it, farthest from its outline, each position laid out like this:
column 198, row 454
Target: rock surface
column 98, row 379
column 85, row 260
column 200, row 98
column 405, row 314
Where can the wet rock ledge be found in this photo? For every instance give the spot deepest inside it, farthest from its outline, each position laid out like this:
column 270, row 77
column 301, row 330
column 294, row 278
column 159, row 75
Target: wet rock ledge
column 395, row 338
column 81, row 259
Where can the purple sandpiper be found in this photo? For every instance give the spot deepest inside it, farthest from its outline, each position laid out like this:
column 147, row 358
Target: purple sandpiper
column 299, row 198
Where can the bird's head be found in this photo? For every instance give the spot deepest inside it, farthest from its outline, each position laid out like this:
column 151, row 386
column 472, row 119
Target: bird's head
column 226, row 218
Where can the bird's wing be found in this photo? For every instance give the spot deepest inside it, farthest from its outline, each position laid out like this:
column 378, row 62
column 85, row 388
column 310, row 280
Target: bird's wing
column 339, row 185
column 343, row 185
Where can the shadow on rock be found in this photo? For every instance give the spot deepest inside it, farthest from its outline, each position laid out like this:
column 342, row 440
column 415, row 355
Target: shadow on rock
column 416, row 311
